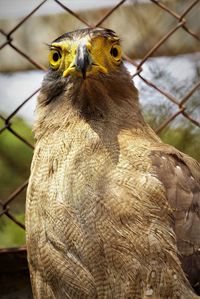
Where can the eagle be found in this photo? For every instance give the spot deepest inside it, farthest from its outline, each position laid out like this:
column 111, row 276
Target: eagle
column 112, row 212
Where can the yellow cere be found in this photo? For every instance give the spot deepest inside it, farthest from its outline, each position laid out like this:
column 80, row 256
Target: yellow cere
column 105, row 54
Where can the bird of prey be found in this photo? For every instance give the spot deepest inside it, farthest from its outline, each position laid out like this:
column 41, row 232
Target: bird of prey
column 112, row 212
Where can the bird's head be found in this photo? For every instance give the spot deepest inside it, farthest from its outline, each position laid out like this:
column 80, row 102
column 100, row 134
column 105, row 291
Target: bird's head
column 85, row 53
column 87, row 79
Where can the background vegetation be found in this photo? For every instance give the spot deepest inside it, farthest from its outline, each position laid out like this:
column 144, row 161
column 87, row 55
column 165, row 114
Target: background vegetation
column 15, row 159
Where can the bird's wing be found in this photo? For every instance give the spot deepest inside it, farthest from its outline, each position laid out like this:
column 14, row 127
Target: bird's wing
column 180, row 176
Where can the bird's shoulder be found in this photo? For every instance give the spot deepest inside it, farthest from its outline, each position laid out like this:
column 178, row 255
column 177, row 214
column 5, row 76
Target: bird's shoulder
column 180, row 176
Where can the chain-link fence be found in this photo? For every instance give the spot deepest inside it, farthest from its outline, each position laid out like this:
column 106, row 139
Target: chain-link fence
column 179, row 104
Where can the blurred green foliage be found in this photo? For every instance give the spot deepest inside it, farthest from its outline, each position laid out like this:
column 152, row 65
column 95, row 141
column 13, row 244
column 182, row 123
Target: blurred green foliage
column 11, row 235
column 186, row 139
column 15, row 159
column 180, row 133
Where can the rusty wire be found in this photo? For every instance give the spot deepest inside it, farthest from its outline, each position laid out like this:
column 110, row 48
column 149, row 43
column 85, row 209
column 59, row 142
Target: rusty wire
column 181, row 22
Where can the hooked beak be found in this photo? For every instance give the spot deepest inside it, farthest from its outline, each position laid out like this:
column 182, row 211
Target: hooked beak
column 83, row 63
column 83, row 60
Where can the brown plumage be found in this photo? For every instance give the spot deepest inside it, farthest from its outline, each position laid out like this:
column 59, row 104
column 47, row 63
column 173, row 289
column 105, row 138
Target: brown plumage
column 112, row 212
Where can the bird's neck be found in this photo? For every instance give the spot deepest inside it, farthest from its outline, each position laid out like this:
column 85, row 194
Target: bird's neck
column 99, row 103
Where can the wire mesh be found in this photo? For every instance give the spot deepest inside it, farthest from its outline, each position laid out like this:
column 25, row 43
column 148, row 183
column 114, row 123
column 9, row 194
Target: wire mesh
column 179, row 103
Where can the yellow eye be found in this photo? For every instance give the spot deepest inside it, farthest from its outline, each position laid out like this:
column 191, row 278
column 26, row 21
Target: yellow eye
column 116, row 53
column 55, row 59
